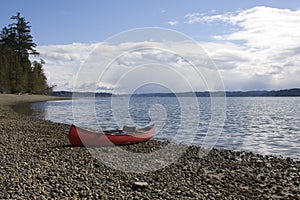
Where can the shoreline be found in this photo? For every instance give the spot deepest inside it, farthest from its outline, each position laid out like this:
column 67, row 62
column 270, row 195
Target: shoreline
column 13, row 99
column 37, row 162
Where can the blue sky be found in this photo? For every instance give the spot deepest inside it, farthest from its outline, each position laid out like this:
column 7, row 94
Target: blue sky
column 243, row 38
column 68, row 21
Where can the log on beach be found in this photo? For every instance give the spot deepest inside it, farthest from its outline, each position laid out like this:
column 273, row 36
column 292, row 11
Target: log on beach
column 36, row 162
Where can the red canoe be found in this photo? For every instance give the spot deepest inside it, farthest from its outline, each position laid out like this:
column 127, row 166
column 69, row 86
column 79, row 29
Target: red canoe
column 127, row 135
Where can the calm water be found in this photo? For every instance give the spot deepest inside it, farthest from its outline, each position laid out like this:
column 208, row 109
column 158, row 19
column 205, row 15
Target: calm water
column 268, row 125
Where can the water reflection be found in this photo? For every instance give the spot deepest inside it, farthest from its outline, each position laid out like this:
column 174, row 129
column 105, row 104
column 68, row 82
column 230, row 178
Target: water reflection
column 30, row 110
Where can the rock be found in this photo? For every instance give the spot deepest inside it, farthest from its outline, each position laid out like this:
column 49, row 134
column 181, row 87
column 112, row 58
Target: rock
column 140, row 184
column 36, row 163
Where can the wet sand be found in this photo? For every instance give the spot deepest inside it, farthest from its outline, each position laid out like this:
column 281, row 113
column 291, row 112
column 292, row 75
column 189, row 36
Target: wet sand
column 38, row 163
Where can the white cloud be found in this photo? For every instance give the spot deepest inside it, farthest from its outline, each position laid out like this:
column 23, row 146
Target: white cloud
column 63, row 62
column 173, row 23
column 194, row 18
column 162, row 10
column 258, row 27
column 267, row 55
column 128, row 65
column 263, row 27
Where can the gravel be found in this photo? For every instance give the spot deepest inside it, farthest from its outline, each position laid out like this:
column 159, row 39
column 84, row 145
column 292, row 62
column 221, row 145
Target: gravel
column 38, row 163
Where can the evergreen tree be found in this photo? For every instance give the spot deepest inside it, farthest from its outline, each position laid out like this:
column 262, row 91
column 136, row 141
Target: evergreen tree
column 38, row 79
column 17, row 73
column 18, row 37
column 4, row 79
column 11, row 73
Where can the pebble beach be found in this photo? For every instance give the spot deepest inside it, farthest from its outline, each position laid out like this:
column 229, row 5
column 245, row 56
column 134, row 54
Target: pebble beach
column 37, row 162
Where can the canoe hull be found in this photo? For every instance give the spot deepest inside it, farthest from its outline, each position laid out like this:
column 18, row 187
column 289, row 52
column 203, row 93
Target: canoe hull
column 81, row 137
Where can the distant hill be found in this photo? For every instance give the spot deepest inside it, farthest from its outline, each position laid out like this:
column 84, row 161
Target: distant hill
column 295, row 92
column 279, row 93
column 70, row 94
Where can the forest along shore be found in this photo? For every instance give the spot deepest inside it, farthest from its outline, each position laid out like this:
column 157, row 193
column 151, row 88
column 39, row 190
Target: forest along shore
column 36, row 161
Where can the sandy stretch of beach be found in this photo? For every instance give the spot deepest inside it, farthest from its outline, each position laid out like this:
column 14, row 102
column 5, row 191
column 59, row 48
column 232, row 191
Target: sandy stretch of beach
column 12, row 99
column 37, row 163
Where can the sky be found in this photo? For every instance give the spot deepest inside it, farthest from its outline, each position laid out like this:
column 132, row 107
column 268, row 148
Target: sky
column 254, row 45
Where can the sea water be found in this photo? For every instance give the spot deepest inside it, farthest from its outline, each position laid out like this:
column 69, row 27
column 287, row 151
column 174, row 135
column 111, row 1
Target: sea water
column 265, row 125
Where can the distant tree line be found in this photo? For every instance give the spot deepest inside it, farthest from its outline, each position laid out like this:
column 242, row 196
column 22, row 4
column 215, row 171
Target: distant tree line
column 17, row 73
column 295, row 92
